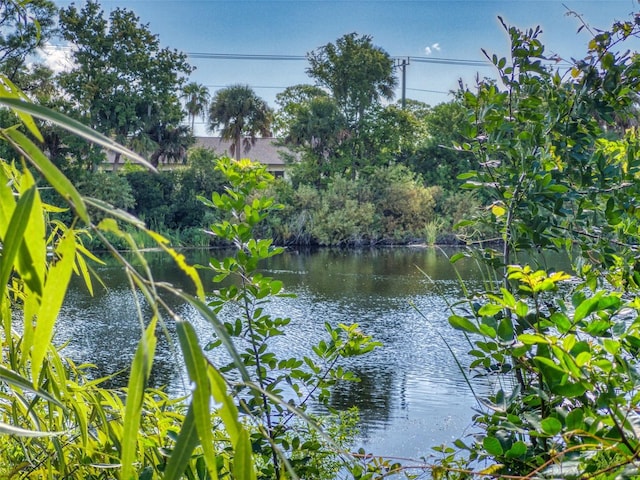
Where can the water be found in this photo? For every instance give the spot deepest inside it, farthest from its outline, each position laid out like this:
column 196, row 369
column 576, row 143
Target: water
column 412, row 395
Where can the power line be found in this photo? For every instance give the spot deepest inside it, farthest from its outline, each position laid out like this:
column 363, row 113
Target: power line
column 281, row 57
column 252, row 86
column 243, row 56
column 428, row 91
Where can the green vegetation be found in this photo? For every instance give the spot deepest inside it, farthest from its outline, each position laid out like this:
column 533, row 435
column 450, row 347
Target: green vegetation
column 560, row 169
column 241, row 115
column 342, row 138
column 547, row 162
column 56, row 423
column 123, row 83
column 268, row 379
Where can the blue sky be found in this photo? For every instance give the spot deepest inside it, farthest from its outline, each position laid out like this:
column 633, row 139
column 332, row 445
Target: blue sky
column 431, row 29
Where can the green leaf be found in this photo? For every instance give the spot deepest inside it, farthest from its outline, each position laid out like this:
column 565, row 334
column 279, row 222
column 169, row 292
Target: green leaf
column 561, row 321
column 490, row 309
column 493, row 446
column 570, row 389
column 140, row 371
column 7, row 429
column 586, row 307
column 53, row 294
column 505, row 329
column 184, row 447
column 582, row 358
column 196, row 365
column 32, row 257
column 574, row 420
column 14, row 238
column 611, row 346
column 509, row 299
column 228, row 411
column 551, row 426
column 544, row 361
column 531, row 339
column 461, row 323
column 518, row 449
column 243, row 468
column 10, row 91
column 12, row 378
column 458, row 256
column 522, row 309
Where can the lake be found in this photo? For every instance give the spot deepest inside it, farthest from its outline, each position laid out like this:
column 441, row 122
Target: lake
column 412, row 395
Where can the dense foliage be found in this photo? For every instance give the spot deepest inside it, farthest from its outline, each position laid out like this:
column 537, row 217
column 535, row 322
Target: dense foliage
column 558, row 159
column 548, row 161
column 123, row 83
column 56, row 422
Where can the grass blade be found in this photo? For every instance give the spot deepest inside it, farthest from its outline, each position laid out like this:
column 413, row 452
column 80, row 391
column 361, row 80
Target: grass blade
column 14, row 237
column 54, row 177
column 185, row 444
column 140, row 371
column 12, row 378
column 7, row 429
column 52, row 298
column 243, row 468
column 10, row 91
column 201, row 400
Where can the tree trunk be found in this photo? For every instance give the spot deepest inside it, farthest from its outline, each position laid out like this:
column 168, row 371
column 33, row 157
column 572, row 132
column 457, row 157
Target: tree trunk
column 116, row 161
column 238, row 145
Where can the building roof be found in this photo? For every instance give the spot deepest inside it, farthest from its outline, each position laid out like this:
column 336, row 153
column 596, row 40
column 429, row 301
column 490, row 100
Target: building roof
column 264, row 150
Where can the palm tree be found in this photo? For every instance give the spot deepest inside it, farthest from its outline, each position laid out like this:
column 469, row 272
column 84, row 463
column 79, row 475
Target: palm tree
column 164, row 142
column 240, row 115
column 197, row 100
column 172, row 144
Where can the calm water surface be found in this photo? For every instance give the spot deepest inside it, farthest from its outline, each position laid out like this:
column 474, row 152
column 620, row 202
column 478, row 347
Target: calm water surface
column 412, row 395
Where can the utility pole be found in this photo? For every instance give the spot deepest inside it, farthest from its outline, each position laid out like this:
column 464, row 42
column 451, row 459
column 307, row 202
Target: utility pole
column 402, row 63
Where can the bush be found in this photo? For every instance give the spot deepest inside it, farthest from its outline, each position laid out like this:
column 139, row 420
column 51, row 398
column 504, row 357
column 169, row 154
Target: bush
column 342, row 218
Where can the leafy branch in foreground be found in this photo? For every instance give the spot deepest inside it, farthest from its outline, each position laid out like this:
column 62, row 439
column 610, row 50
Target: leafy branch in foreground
column 561, row 169
column 280, row 388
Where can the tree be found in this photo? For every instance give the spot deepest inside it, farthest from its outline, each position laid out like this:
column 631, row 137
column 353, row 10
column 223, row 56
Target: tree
column 319, row 128
column 241, row 115
column 24, row 27
column 166, row 142
column 436, row 158
column 291, row 100
column 123, row 82
column 389, row 134
column 197, row 100
column 358, row 74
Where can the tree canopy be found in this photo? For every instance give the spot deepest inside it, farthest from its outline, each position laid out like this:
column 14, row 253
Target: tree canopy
column 241, row 115
column 124, row 83
column 196, row 98
column 24, row 27
column 357, row 73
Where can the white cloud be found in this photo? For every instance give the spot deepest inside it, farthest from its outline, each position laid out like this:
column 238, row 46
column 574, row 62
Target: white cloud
column 57, row 58
column 433, row 48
